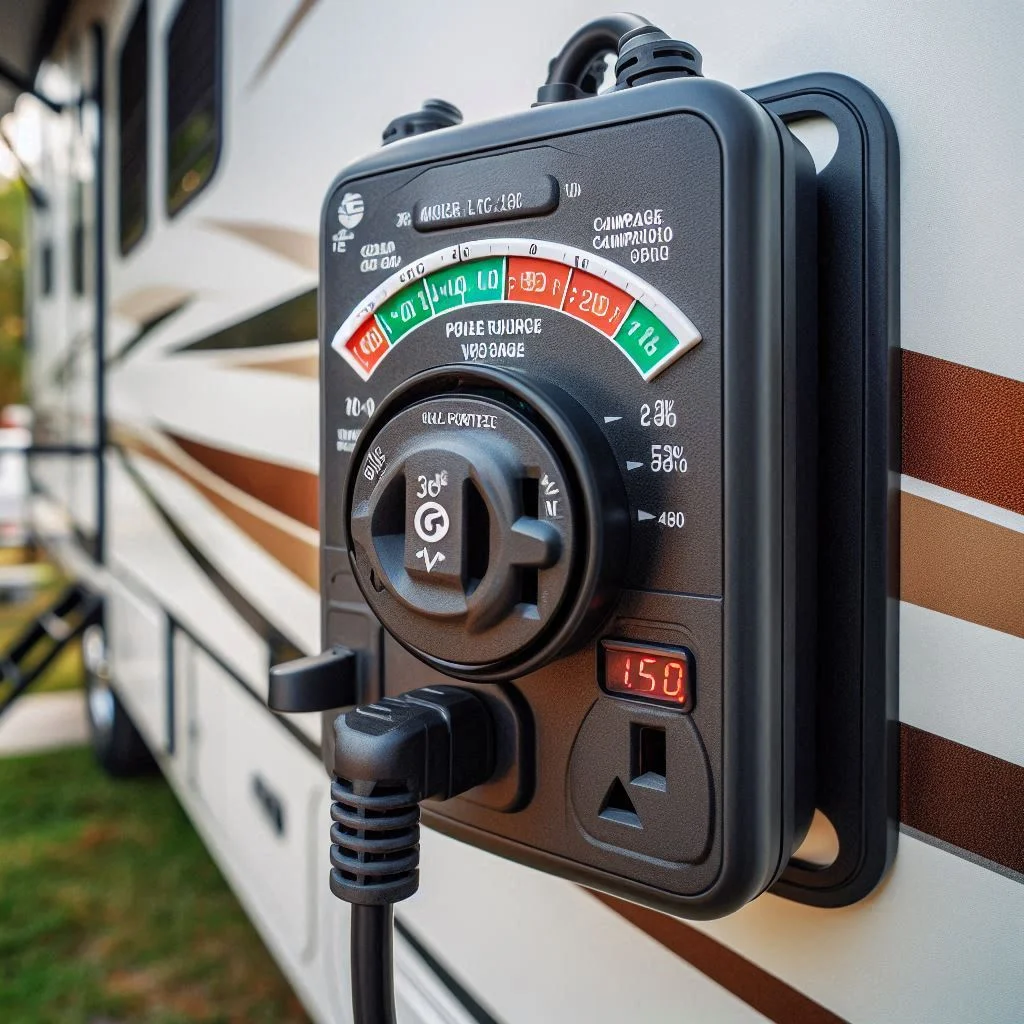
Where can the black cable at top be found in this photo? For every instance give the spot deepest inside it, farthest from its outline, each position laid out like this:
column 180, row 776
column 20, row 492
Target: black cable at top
column 571, row 73
column 373, row 985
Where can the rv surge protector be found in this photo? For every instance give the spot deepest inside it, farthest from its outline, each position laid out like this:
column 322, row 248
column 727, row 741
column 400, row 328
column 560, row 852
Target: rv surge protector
column 582, row 414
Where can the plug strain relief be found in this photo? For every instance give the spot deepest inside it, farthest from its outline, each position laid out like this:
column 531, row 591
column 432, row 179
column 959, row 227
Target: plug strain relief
column 375, row 836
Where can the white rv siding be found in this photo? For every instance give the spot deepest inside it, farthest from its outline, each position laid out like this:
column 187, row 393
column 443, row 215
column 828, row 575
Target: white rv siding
column 308, row 88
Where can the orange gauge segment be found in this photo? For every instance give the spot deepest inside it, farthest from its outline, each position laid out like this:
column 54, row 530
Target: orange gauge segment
column 368, row 345
column 596, row 302
column 541, row 282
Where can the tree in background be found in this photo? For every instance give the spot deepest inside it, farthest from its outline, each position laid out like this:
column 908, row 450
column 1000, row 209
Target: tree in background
column 12, row 267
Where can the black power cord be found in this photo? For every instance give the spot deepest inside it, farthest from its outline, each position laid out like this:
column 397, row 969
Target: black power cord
column 644, row 52
column 373, row 958
column 576, row 71
column 431, row 743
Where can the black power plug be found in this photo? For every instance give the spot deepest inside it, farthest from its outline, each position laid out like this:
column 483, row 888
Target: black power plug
column 431, row 743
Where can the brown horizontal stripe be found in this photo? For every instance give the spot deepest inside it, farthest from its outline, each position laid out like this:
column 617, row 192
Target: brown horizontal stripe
column 294, row 492
column 299, row 557
column 962, row 796
column 762, row 991
column 961, row 565
column 963, row 429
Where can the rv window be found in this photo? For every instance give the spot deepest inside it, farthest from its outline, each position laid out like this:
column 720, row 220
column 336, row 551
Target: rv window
column 78, row 238
column 133, row 128
column 193, row 100
column 46, row 271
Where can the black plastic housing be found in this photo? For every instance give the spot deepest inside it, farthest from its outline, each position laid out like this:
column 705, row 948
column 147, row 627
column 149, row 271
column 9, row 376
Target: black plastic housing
column 857, row 706
column 317, row 683
column 754, row 631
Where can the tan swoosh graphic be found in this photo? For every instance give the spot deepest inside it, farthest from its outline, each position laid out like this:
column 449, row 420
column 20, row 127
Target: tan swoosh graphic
column 300, row 247
column 294, row 492
column 299, row 554
column 961, row 565
column 766, row 993
column 143, row 305
column 292, row 366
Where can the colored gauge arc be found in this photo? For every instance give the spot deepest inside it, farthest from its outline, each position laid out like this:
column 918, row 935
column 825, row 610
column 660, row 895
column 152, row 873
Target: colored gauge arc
column 642, row 323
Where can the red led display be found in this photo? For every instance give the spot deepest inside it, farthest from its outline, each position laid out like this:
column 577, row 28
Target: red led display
column 648, row 672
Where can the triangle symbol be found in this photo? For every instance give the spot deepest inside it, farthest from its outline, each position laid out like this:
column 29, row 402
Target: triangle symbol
column 616, row 806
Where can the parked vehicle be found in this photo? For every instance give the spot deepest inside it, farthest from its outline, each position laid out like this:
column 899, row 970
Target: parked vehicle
column 180, row 152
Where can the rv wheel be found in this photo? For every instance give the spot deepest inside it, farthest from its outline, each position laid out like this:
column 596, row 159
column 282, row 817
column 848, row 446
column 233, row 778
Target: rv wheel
column 117, row 745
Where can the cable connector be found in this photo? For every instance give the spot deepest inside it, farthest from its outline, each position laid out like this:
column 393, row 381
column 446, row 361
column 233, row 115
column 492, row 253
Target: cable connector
column 647, row 54
column 431, row 743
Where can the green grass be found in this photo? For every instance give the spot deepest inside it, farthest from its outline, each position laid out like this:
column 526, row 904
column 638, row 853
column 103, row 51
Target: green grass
column 111, row 910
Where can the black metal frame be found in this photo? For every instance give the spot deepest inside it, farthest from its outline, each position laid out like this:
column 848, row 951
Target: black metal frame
column 23, row 83
column 75, row 609
column 96, row 546
column 100, row 290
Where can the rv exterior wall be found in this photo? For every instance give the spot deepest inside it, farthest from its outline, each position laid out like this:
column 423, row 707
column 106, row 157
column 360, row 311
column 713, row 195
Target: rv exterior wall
column 211, row 511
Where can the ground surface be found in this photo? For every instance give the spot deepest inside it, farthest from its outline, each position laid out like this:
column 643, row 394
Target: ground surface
column 43, row 721
column 111, row 911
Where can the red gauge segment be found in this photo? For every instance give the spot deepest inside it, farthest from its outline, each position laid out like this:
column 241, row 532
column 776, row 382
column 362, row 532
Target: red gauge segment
column 540, row 282
column 597, row 302
column 368, row 345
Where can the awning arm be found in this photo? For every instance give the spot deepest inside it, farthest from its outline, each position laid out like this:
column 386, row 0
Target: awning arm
column 36, row 195
column 23, row 84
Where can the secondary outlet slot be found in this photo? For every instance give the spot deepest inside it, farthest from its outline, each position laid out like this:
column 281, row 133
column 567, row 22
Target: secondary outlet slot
column 647, row 749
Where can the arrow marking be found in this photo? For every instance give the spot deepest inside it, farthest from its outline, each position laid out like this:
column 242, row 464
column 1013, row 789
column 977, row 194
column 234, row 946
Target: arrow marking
column 633, row 465
column 641, row 515
column 612, row 419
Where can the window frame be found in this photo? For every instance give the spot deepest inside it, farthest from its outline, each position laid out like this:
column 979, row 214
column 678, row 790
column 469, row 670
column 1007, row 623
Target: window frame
column 46, row 267
column 142, row 10
column 170, row 179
